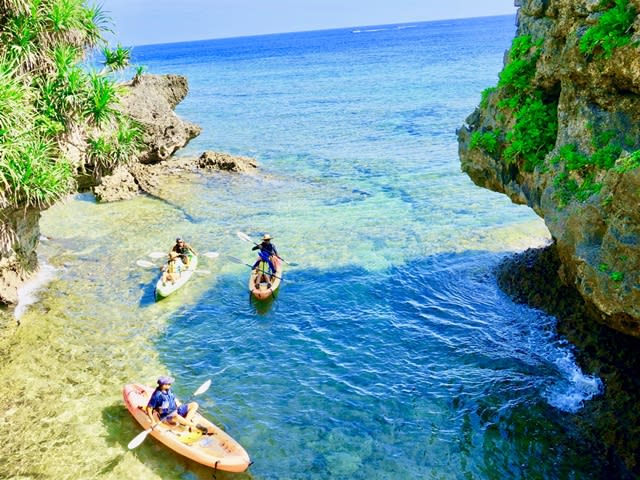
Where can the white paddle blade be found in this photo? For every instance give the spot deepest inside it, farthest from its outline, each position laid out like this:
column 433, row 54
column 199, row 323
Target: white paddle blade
column 235, row 259
column 138, row 439
column 144, row 264
column 211, row 254
column 158, row 254
column 203, row 388
column 244, row 236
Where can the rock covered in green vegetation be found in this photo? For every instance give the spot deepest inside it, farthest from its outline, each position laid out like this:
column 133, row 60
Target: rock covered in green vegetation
column 560, row 132
column 66, row 125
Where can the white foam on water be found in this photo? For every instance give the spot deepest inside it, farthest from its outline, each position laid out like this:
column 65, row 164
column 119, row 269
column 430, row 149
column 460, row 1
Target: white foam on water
column 28, row 292
column 574, row 388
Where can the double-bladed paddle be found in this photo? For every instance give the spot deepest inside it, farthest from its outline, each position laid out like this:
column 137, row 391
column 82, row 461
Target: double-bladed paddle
column 142, row 435
column 237, row 260
column 247, row 238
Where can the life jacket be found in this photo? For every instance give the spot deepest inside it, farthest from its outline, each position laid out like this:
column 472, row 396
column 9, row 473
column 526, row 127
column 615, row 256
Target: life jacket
column 167, row 402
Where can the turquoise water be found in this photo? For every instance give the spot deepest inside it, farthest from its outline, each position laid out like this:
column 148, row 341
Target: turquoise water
column 390, row 352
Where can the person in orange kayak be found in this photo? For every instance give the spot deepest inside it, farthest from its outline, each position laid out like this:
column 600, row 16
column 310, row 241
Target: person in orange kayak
column 163, row 406
column 183, row 249
column 172, row 270
column 267, row 246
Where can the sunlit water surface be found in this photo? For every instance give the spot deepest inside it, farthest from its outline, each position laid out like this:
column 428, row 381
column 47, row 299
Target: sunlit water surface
column 389, row 352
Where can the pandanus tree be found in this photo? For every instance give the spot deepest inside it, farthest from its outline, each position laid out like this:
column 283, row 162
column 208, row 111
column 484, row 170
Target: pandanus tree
column 47, row 96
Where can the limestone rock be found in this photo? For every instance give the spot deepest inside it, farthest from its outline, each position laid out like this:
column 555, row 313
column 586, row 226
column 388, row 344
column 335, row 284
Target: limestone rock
column 120, row 185
column 597, row 239
column 19, row 238
column 150, row 101
column 225, row 162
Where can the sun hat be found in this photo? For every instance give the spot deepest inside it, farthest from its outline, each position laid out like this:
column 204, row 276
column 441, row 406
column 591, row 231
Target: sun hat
column 266, row 237
column 164, row 380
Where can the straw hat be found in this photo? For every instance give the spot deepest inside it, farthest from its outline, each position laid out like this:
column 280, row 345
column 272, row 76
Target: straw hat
column 266, row 237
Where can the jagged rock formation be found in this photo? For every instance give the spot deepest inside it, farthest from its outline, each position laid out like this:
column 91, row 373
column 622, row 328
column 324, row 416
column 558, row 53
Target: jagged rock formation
column 225, row 162
column 19, row 235
column 150, row 101
column 561, row 134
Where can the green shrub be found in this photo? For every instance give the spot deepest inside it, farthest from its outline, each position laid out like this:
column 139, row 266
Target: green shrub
column 534, row 133
column 484, row 96
column 616, row 276
column 488, row 141
column 613, row 30
column 515, row 78
column 120, row 147
column 629, row 163
column 606, row 157
column 574, row 160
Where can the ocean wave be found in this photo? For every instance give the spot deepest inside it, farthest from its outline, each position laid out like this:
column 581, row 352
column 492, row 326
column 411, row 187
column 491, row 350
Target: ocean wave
column 574, row 388
column 27, row 293
column 369, row 30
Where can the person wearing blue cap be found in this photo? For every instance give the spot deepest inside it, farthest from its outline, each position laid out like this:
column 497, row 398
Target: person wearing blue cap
column 167, row 408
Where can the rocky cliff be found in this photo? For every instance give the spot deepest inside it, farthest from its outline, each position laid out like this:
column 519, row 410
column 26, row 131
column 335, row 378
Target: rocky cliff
column 150, row 100
column 560, row 132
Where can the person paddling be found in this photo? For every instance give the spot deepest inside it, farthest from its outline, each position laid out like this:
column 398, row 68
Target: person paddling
column 183, row 249
column 164, row 407
column 267, row 246
column 262, row 275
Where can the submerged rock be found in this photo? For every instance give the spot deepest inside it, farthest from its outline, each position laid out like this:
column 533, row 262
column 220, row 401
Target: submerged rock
column 120, row 185
column 225, row 162
column 578, row 166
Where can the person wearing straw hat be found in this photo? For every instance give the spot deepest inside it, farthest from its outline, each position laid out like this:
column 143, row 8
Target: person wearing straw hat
column 172, row 270
column 266, row 246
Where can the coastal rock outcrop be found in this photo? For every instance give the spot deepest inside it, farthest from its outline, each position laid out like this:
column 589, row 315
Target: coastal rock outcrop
column 561, row 134
column 19, row 234
column 225, row 162
column 150, row 100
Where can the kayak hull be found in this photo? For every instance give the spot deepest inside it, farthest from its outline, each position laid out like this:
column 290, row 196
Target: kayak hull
column 163, row 291
column 265, row 290
column 219, row 450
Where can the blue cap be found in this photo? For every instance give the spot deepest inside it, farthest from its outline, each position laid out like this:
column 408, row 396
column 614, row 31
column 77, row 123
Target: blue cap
column 164, row 380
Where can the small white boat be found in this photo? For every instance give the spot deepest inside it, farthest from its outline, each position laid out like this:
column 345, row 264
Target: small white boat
column 168, row 288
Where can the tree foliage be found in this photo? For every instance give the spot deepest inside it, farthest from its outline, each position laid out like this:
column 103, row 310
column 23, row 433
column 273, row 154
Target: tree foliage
column 46, row 94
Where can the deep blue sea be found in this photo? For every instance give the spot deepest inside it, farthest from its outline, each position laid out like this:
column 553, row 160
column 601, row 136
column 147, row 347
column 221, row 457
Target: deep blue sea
column 390, row 352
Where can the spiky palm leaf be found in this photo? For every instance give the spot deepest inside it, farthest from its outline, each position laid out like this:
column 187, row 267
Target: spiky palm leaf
column 116, row 58
column 99, row 108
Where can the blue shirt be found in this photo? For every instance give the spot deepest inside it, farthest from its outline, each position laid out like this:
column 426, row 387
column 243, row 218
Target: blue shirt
column 163, row 402
column 268, row 247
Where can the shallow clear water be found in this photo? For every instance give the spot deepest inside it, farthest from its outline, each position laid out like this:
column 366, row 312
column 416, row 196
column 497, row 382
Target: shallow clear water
column 389, row 352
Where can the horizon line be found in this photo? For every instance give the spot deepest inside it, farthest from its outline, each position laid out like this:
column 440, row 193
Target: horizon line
column 314, row 30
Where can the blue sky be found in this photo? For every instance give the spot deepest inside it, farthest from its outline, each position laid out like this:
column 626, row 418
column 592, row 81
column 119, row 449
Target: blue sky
column 139, row 22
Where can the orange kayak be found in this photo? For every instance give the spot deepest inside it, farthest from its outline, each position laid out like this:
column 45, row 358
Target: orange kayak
column 218, row 450
column 265, row 287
